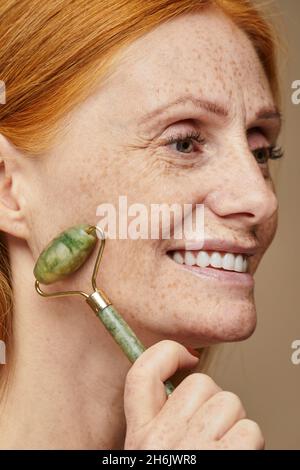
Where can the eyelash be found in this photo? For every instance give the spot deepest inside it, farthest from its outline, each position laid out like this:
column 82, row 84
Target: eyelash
column 275, row 152
column 192, row 135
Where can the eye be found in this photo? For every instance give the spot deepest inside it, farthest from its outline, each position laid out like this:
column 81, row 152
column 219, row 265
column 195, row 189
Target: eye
column 263, row 154
column 184, row 142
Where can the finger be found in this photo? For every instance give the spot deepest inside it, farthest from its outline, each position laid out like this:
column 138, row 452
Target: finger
column 186, row 399
column 218, row 415
column 144, row 393
column 244, row 435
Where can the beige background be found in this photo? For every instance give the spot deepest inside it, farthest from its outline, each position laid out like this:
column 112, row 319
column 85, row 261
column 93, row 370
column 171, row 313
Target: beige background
column 260, row 370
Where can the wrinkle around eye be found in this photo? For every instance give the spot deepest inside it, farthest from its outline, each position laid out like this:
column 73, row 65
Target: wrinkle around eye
column 141, row 143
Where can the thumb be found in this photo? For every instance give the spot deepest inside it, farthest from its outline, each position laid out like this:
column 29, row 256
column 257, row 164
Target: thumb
column 144, row 393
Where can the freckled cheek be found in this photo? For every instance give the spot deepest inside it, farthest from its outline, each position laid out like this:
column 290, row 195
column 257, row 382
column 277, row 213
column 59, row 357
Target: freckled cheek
column 187, row 189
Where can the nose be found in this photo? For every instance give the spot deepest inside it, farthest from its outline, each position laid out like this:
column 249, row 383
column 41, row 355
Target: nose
column 242, row 193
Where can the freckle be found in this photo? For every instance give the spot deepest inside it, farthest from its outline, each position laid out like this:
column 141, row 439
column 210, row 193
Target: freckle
column 176, row 315
column 172, row 285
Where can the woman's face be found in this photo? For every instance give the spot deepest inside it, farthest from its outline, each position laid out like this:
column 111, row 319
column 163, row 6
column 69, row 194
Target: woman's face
column 113, row 146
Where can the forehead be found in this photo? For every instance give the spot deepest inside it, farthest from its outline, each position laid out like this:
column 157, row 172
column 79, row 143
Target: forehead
column 201, row 53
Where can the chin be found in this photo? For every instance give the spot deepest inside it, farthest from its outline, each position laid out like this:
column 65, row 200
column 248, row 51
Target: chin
column 230, row 323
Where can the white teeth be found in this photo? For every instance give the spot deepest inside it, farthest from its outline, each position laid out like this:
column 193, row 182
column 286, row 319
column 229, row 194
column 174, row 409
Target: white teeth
column 178, row 258
column 202, row 259
column 216, row 260
column 227, row 261
column 189, row 258
column 238, row 265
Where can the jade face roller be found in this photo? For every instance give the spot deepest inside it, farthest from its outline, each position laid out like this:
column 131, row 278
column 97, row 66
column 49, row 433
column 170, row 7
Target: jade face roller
column 63, row 256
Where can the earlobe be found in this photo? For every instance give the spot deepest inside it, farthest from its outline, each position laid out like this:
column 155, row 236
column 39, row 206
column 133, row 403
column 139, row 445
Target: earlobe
column 12, row 220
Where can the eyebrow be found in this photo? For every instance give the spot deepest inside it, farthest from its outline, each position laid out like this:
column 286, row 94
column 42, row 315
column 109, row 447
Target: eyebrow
column 206, row 105
column 269, row 113
column 210, row 107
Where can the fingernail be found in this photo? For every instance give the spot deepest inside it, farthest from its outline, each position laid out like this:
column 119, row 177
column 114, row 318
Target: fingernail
column 193, row 352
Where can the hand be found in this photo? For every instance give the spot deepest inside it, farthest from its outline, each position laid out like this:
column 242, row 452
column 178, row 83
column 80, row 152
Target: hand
column 197, row 415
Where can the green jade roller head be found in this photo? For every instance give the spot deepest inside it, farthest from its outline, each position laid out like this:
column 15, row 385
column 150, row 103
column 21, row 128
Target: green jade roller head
column 64, row 255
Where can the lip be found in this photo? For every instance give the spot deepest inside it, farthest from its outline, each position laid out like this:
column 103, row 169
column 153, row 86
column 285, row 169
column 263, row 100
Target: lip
column 218, row 245
column 227, row 277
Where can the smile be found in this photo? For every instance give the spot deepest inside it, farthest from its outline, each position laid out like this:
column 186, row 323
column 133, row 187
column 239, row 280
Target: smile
column 218, row 260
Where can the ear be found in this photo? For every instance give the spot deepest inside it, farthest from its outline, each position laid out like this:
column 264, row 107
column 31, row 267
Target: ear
column 12, row 204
